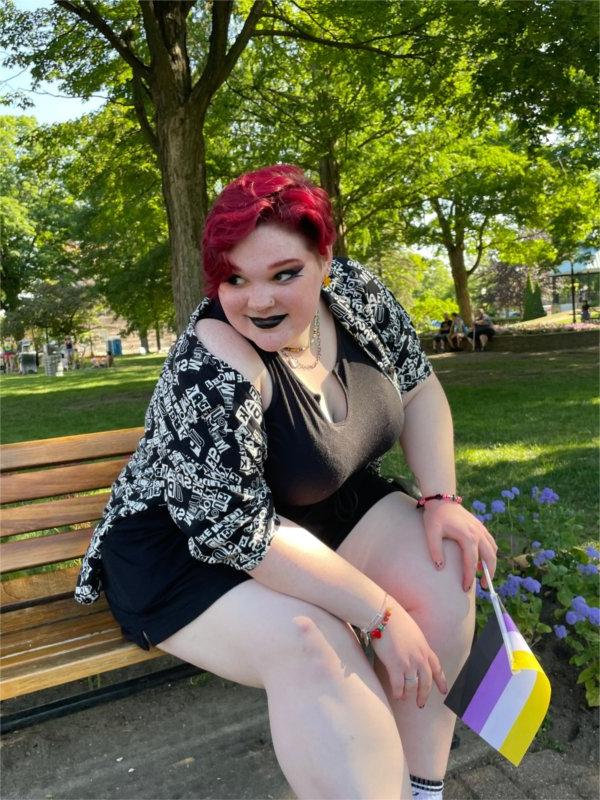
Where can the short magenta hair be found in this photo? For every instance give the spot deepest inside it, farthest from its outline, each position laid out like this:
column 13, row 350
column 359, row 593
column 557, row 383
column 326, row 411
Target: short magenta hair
column 281, row 193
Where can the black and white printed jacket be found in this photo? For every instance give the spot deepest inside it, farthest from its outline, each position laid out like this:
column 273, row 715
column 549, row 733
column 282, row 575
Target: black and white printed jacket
column 205, row 444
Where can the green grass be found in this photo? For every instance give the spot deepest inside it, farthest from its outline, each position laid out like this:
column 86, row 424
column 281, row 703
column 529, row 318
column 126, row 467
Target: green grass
column 520, row 418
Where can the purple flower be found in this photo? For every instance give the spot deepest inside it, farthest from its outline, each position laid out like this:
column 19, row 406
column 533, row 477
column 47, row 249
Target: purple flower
column 515, row 491
column 478, row 506
column 534, row 492
column 543, row 556
column 510, row 587
column 560, row 632
column 592, row 552
column 531, row 585
column 548, row 497
column 579, row 604
column 588, row 569
column 480, row 517
column 593, row 615
column 536, row 545
column 498, row 507
column 572, row 617
column 521, row 518
column 488, row 517
column 508, row 494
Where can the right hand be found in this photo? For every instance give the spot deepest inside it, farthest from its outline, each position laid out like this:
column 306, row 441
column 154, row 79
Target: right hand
column 404, row 652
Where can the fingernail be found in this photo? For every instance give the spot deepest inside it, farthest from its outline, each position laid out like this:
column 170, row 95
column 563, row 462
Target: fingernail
column 423, row 706
column 468, row 589
column 438, row 564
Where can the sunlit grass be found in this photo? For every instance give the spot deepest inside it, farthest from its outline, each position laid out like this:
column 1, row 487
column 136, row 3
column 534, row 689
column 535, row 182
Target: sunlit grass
column 520, row 419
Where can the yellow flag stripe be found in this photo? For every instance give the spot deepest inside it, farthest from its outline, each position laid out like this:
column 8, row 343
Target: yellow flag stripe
column 532, row 714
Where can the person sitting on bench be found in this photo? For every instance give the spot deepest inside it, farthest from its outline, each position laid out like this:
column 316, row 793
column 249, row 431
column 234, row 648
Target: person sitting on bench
column 251, row 530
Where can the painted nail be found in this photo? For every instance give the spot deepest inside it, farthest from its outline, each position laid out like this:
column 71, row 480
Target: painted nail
column 438, row 564
column 423, row 706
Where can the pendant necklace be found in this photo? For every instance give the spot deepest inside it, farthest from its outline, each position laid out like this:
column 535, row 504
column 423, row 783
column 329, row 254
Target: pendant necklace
column 290, row 354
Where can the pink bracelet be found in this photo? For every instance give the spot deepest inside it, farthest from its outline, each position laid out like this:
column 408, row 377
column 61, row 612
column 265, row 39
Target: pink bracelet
column 449, row 498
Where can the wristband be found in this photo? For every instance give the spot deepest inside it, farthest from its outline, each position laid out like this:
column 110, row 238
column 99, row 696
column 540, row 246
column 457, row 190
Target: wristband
column 448, row 498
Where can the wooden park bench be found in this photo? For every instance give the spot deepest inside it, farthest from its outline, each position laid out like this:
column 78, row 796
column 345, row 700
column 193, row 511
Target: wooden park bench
column 46, row 638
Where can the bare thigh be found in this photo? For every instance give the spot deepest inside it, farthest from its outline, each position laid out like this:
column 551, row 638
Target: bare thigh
column 388, row 544
column 251, row 631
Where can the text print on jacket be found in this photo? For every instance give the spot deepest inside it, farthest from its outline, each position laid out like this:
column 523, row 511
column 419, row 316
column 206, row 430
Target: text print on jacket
column 204, row 445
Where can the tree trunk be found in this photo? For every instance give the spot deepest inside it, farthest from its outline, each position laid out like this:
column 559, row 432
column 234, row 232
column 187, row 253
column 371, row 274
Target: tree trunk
column 182, row 162
column 329, row 175
column 144, row 339
column 461, row 286
column 157, row 332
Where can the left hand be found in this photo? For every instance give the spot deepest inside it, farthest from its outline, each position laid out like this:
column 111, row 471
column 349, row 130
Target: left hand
column 444, row 520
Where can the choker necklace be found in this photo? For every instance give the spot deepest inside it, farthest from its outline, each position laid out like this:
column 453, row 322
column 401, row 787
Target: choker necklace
column 289, row 353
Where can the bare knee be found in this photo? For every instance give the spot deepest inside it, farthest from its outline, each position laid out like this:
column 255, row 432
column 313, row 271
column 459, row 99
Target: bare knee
column 314, row 647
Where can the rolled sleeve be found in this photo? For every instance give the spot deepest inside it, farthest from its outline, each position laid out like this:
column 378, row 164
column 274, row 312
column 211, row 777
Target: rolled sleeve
column 399, row 335
column 214, row 449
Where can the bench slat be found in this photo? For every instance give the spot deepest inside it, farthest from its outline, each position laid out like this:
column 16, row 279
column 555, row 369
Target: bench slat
column 39, row 588
column 53, row 514
column 96, row 655
column 29, row 553
column 63, row 449
column 20, row 646
column 48, row 613
column 20, row 486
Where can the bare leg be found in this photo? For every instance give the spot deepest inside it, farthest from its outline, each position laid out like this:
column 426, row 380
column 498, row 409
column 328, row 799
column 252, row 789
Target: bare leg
column 334, row 732
column 389, row 546
column 483, row 340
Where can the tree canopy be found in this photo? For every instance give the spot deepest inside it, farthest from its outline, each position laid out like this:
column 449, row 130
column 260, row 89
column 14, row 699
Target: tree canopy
column 457, row 124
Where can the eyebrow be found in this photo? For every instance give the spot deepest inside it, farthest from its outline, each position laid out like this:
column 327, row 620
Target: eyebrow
column 273, row 266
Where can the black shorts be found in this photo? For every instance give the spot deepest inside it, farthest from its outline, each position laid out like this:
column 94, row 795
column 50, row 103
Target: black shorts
column 153, row 585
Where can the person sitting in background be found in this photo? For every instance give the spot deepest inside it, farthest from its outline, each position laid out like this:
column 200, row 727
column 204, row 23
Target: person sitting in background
column 457, row 331
column 441, row 337
column 483, row 330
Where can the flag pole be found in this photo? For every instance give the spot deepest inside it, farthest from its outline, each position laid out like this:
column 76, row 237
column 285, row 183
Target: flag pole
column 497, row 605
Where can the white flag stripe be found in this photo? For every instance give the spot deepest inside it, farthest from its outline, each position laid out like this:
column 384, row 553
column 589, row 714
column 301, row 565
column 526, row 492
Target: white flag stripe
column 517, row 642
column 508, row 707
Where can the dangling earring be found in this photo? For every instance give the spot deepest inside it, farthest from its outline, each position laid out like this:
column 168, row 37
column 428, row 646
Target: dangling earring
column 326, row 280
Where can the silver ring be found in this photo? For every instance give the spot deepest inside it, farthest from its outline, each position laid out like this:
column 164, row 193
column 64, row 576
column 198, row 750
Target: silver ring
column 414, row 679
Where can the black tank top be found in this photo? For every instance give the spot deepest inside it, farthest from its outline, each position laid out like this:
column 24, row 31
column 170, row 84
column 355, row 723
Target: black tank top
column 309, row 457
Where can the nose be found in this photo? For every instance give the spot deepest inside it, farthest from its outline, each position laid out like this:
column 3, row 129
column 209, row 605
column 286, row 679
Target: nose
column 260, row 299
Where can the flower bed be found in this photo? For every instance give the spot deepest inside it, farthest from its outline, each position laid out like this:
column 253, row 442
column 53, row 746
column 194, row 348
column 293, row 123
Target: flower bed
column 547, row 579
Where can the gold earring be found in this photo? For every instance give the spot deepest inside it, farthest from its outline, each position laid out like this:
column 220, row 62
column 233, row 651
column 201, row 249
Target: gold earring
column 326, row 280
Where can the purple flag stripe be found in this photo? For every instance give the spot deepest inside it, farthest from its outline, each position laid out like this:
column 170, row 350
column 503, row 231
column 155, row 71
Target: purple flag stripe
column 510, row 625
column 488, row 692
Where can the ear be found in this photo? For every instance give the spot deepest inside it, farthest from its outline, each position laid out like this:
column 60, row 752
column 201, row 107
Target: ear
column 327, row 258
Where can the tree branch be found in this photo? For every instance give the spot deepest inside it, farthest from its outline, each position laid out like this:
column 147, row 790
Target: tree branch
column 479, row 246
column 89, row 13
column 298, row 33
column 140, row 109
column 220, row 63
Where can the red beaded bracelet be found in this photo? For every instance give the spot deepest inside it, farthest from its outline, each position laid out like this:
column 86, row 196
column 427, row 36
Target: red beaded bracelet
column 449, row 498
column 377, row 631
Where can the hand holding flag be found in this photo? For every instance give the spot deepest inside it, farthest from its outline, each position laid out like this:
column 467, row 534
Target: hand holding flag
column 501, row 693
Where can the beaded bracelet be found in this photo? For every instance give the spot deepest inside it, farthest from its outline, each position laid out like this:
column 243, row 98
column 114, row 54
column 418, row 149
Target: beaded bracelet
column 375, row 628
column 449, row 498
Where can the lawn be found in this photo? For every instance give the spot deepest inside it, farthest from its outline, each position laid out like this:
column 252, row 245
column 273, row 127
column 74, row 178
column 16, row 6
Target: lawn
column 520, row 418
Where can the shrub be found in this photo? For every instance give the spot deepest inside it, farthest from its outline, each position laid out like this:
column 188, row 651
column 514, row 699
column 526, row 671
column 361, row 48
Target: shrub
column 546, row 578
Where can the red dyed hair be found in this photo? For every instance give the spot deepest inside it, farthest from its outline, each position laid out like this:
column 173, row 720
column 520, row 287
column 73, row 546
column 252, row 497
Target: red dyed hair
column 281, row 193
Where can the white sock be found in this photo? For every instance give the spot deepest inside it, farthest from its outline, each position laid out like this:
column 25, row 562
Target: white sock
column 423, row 789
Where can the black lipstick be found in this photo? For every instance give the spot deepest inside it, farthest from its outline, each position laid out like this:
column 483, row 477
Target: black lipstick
column 268, row 322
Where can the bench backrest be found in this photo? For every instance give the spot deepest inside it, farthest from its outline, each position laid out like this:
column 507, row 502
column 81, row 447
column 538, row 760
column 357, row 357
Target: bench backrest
column 50, row 500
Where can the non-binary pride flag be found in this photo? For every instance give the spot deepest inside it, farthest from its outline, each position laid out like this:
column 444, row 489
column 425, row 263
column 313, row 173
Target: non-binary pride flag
column 501, row 693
